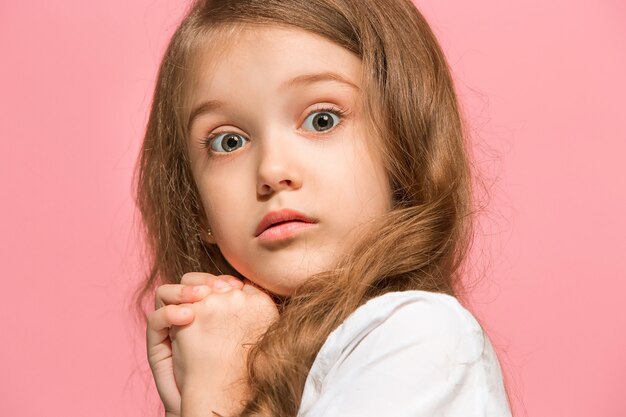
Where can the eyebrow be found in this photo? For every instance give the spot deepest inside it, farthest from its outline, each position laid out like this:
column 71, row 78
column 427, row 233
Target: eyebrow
column 300, row 80
column 203, row 108
column 306, row 79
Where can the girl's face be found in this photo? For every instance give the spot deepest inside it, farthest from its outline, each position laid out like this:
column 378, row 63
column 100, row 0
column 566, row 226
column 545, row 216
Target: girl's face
column 285, row 168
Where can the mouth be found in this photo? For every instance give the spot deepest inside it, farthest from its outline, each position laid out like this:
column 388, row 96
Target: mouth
column 281, row 224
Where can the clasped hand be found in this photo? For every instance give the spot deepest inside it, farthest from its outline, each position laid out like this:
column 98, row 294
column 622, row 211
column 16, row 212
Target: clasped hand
column 199, row 335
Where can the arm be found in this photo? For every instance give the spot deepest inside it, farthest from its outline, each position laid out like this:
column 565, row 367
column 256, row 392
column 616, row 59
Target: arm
column 173, row 308
column 425, row 357
column 210, row 354
column 221, row 390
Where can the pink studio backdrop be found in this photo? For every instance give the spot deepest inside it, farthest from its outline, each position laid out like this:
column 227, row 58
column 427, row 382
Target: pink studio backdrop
column 543, row 88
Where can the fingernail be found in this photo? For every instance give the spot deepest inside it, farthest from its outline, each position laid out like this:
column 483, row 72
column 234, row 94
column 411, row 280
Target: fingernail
column 200, row 289
column 222, row 286
column 185, row 311
column 234, row 282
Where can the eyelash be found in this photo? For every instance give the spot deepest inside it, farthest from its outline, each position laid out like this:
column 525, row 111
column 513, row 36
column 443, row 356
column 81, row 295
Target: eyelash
column 338, row 111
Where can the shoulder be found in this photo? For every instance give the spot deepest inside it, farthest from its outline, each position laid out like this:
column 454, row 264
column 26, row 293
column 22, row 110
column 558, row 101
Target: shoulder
column 414, row 353
column 410, row 317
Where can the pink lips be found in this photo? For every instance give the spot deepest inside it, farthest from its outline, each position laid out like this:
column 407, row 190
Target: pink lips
column 281, row 224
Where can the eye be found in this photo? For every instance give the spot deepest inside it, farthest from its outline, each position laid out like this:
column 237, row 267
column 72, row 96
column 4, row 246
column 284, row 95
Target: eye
column 226, row 142
column 321, row 121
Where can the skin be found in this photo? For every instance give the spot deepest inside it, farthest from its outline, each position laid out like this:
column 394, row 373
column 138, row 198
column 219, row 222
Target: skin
column 280, row 159
column 333, row 176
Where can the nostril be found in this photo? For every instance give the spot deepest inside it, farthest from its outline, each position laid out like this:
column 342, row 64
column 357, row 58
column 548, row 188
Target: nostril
column 265, row 189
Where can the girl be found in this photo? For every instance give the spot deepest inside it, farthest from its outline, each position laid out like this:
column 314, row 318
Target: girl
column 305, row 191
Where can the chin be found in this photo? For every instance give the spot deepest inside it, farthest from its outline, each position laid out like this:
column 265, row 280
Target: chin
column 284, row 283
column 282, row 286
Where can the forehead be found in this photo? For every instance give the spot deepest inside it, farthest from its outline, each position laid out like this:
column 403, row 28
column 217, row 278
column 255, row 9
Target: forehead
column 269, row 57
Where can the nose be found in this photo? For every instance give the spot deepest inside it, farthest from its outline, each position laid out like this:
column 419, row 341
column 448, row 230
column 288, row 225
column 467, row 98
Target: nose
column 278, row 168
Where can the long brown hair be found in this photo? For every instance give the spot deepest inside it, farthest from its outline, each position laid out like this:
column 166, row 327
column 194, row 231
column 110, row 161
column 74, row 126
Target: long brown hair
column 412, row 108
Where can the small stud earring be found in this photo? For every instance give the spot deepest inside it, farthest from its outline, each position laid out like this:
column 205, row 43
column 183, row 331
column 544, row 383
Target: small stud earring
column 209, row 232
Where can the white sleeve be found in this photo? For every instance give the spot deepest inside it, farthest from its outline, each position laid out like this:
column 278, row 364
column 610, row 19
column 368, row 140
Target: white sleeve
column 428, row 357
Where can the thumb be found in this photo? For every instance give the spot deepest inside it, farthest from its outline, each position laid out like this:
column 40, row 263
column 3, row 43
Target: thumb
column 251, row 288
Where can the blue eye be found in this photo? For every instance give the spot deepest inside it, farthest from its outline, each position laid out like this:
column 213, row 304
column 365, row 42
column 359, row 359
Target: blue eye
column 321, row 121
column 227, row 142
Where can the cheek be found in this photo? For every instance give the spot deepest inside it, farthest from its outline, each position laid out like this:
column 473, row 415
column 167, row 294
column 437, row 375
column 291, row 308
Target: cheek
column 367, row 178
column 222, row 200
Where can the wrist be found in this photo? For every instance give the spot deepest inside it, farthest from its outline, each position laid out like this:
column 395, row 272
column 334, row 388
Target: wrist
column 195, row 403
column 200, row 400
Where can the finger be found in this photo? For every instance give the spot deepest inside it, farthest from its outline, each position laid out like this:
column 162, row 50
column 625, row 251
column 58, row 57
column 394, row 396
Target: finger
column 179, row 294
column 203, row 278
column 250, row 287
column 226, row 283
column 224, row 280
column 234, row 282
column 160, row 321
column 198, row 278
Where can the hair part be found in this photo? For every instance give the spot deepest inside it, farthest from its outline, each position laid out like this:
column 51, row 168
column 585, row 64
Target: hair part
column 410, row 105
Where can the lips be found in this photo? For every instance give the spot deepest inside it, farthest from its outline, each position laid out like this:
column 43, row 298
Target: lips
column 275, row 218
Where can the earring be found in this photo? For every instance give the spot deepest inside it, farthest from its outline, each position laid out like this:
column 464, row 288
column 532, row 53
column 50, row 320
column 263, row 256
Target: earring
column 208, row 232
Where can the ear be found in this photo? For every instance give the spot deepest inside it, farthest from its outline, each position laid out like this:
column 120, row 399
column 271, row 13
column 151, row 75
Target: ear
column 205, row 232
column 207, row 236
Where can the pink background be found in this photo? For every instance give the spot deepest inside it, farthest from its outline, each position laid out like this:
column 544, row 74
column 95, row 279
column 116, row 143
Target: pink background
column 543, row 87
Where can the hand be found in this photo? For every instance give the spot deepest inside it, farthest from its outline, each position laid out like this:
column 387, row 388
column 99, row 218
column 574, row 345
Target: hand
column 210, row 354
column 172, row 307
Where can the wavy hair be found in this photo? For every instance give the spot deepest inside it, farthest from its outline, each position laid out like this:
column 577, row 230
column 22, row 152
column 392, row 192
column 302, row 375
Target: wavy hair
column 410, row 104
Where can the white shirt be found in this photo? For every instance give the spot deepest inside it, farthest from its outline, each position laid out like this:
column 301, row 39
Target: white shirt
column 410, row 353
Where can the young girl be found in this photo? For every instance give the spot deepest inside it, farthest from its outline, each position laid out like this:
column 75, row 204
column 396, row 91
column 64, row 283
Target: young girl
column 305, row 191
